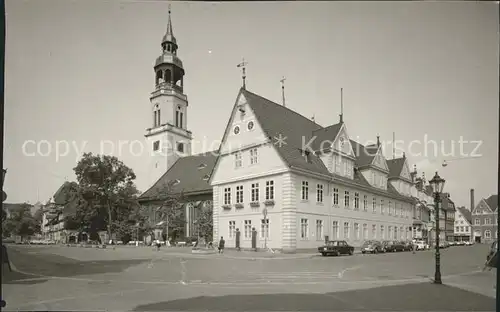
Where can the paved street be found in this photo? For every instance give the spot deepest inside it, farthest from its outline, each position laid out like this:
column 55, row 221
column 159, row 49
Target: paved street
column 129, row 278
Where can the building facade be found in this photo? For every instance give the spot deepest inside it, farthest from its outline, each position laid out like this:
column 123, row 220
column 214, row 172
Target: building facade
column 484, row 220
column 332, row 188
column 463, row 225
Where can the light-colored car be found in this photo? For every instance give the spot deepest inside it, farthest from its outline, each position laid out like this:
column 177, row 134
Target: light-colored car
column 420, row 245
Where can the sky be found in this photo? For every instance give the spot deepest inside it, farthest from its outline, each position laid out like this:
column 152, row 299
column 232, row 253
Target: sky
column 81, row 72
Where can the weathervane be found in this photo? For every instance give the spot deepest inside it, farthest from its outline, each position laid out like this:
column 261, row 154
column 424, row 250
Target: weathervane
column 283, row 89
column 243, row 65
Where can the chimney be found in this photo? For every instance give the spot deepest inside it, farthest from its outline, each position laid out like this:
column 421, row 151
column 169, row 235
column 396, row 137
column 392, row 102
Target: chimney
column 472, row 200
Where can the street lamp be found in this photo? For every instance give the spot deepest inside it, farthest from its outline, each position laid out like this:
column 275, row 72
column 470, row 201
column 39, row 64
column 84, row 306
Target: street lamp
column 437, row 184
column 4, row 195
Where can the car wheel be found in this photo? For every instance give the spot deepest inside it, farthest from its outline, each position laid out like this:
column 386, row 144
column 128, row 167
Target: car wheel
column 323, row 254
column 351, row 252
column 363, row 252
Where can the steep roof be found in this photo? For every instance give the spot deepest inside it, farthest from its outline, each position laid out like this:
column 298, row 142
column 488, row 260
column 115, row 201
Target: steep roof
column 191, row 172
column 466, row 213
column 279, row 121
column 395, row 166
column 364, row 154
column 67, row 197
column 492, row 202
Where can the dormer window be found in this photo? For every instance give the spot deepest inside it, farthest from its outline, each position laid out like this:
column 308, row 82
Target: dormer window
column 202, row 166
column 307, row 156
column 206, row 177
column 175, row 182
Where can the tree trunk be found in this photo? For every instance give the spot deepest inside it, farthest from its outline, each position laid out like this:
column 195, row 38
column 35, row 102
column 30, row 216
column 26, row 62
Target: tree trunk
column 109, row 219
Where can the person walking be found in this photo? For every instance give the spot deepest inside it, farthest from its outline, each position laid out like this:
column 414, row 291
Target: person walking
column 222, row 242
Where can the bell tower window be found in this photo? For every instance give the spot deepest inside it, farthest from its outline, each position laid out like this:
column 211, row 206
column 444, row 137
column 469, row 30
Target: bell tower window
column 168, row 76
column 179, row 117
column 156, row 116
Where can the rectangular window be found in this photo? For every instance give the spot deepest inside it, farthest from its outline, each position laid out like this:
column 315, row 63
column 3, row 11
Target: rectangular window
column 248, row 229
column 255, row 192
column 253, row 156
column 382, row 208
column 390, row 208
column 389, row 232
column 319, row 193
column 457, row 229
column 356, row 201
column 401, row 233
column 346, row 199
column 270, row 190
column 181, row 118
column 232, row 229
column 374, row 231
column 374, row 204
column 156, row 145
column 356, row 231
column 365, row 231
column 466, row 229
column 319, row 229
column 155, row 119
column 335, row 230
column 227, row 196
column 477, row 222
column 180, row 147
column 239, row 194
column 335, row 196
column 264, row 228
column 365, row 202
column 237, row 160
column 304, row 229
column 305, row 190
column 346, row 230
column 395, row 233
column 382, row 232
column 177, row 119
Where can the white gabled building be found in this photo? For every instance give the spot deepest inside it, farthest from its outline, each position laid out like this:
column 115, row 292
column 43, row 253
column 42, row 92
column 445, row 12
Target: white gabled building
column 463, row 225
column 314, row 181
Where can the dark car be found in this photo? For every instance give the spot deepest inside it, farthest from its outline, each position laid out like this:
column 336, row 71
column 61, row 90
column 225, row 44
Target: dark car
column 408, row 246
column 388, row 246
column 336, row 248
column 371, row 247
column 398, row 246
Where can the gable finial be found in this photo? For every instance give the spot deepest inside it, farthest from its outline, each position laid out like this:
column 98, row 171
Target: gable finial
column 283, row 89
column 393, row 145
column 313, row 119
column 404, row 155
column 243, row 65
column 341, row 105
column 378, row 140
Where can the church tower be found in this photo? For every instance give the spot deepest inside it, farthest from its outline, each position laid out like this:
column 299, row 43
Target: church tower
column 168, row 136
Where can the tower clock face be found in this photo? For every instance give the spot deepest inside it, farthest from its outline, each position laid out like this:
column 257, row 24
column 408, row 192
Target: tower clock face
column 236, row 130
column 250, row 125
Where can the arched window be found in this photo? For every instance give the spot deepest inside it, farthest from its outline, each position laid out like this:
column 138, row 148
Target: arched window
column 487, row 234
column 179, row 117
column 159, row 77
column 168, row 76
column 156, row 116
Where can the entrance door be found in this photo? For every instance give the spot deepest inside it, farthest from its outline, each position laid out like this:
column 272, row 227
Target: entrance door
column 477, row 239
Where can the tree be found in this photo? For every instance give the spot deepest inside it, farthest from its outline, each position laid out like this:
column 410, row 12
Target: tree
column 204, row 221
column 21, row 223
column 107, row 192
column 169, row 212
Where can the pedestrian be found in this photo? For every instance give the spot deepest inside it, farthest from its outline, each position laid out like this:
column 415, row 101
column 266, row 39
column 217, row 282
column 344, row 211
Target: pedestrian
column 158, row 245
column 221, row 245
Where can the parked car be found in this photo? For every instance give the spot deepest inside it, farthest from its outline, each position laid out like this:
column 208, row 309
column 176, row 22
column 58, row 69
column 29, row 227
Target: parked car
column 408, row 246
column 336, row 248
column 420, row 245
column 398, row 245
column 371, row 246
column 469, row 243
column 388, row 246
